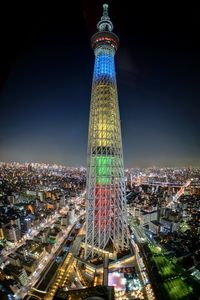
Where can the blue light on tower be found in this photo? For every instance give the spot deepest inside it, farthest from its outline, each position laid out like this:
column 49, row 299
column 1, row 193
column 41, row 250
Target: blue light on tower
column 104, row 66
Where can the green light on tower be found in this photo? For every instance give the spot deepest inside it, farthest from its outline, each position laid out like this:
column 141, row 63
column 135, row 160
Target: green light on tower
column 103, row 169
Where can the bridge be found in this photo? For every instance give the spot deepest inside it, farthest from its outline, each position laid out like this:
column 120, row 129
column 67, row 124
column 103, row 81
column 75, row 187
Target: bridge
column 181, row 191
column 179, row 194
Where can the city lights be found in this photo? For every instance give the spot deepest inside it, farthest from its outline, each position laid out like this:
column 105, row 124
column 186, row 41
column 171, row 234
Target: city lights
column 101, row 231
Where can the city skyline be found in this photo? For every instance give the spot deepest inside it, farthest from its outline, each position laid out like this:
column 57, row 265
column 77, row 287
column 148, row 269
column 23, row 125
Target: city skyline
column 45, row 115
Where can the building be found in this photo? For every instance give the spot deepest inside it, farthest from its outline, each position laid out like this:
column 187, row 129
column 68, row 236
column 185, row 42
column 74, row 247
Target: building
column 62, row 202
column 54, row 235
column 39, row 253
column 1, row 233
column 106, row 216
column 168, row 226
column 148, row 216
column 27, row 223
column 41, row 195
column 12, row 200
column 65, row 220
column 29, row 264
column 12, row 233
column 95, row 292
column 16, row 221
column 71, row 217
column 14, row 259
column 18, row 274
column 154, row 226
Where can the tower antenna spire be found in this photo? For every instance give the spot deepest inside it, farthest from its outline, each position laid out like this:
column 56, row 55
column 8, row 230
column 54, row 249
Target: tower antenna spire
column 105, row 10
column 105, row 23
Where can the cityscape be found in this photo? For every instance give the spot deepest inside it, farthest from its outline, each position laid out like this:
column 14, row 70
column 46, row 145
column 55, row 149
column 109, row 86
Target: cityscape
column 42, row 223
column 104, row 230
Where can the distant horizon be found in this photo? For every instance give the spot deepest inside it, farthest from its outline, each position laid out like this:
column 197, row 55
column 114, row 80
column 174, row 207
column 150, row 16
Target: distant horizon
column 84, row 166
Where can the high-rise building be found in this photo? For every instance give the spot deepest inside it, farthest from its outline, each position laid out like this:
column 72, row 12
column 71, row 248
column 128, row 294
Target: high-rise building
column 106, row 216
column 12, row 233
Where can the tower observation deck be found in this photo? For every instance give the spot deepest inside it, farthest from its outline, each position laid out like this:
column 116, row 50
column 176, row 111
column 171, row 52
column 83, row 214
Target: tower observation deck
column 106, row 216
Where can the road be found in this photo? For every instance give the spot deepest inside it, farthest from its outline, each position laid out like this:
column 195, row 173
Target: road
column 66, row 268
column 143, row 272
column 46, row 262
column 34, row 232
column 40, row 279
column 45, row 277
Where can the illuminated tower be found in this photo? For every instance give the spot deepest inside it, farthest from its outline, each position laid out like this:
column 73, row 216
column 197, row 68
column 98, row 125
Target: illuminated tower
column 106, row 217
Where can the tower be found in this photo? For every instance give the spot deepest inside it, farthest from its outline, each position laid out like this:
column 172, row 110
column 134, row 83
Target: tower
column 106, row 216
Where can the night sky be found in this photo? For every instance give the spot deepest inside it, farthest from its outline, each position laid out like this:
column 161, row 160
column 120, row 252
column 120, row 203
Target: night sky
column 46, row 67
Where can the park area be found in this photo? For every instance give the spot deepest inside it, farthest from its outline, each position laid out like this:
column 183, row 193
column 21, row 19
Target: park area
column 173, row 285
column 165, row 267
column 177, row 289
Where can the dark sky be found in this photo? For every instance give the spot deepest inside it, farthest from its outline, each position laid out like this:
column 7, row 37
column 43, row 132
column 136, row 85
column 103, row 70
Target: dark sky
column 46, row 67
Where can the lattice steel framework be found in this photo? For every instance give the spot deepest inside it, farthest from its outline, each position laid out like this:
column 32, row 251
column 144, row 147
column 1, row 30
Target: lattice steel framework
column 106, row 216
